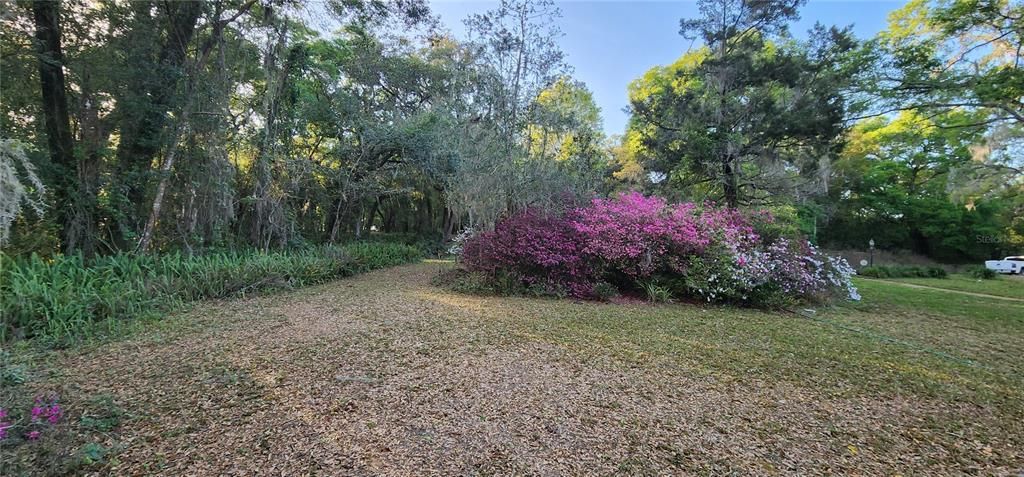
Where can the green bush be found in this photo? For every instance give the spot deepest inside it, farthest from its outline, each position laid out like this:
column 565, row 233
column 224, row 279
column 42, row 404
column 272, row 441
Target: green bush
column 981, row 273
column 935, row 272
column 505, row 284
column 873, row 272
column 431, row 246
column 64, row 299
column 11, row 373
column 900, row 271
column 605, row 291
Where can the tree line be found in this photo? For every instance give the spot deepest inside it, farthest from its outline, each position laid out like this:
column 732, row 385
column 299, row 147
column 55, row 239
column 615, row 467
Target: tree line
column 196, row 125
column 163, row 125
column 911, row 138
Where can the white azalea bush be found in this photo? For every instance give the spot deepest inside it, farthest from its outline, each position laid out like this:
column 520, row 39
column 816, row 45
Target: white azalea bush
column 789, row 268
column 459, row 241
column 779, row 274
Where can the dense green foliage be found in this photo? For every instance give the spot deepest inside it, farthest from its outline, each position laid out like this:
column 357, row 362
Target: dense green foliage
column 981, row 273
column 162, row 126
column 911, row 138
column 892, row 183
column 751, row 116
column 63, row 299
column 931, row 166
column 898, row 271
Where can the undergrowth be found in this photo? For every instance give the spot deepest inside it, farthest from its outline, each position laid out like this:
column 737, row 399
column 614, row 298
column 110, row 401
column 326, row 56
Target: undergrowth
column 901, row 271
column 980, row 272
column 58, row 301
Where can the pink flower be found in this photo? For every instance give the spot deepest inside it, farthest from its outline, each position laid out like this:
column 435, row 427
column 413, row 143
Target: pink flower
column 51, row 410
column 4, row 425
column 33, row 435
column 55, row 413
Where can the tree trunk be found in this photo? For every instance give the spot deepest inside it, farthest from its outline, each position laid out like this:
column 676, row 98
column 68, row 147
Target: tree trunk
column 448, row 224
column 373, row 214
column 161, row 189
column 388, row 219
column 336, row 223
column 266, row 207
column 94, row 134
column 143, row 126
column 46, row 15
column 426, row 225
column 730, row 184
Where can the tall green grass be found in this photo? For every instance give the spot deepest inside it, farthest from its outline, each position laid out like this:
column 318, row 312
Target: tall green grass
column 64, row 299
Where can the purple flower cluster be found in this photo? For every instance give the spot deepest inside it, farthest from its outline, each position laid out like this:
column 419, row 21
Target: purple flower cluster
column 46, row 411
column 709, row 252
column 4, row 424
column 534, row 247
column 632, row 234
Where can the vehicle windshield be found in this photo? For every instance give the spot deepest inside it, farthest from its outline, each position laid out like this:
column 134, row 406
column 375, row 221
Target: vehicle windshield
column 1015, row 258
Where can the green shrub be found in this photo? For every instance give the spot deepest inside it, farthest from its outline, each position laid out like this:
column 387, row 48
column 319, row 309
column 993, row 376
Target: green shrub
column 430, row 246
column 900, row 271
column 981, row 273
column 874, row 272
column 499, row 283
column 771, row 296
column 64, row 299
column 11, row 373
column 538, row 290
column 605, row 291
column 101, row 414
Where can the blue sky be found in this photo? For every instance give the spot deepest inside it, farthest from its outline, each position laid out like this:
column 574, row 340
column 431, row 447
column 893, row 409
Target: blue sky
column 610, row 43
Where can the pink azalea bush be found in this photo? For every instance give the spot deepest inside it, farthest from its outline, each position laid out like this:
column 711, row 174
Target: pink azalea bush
column 537, row 249
column 697, row 251
column 634, row 235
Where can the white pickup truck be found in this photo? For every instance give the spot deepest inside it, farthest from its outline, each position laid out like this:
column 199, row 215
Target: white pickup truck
column 1012, row 265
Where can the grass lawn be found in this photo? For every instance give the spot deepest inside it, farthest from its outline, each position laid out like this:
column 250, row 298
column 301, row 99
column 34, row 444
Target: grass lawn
column 385, row 374
column 1012, row 287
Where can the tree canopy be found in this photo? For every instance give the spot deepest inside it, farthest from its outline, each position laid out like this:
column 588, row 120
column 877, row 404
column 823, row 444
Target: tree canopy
column 752, row 116
column 195, row 125
column 246, row 123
